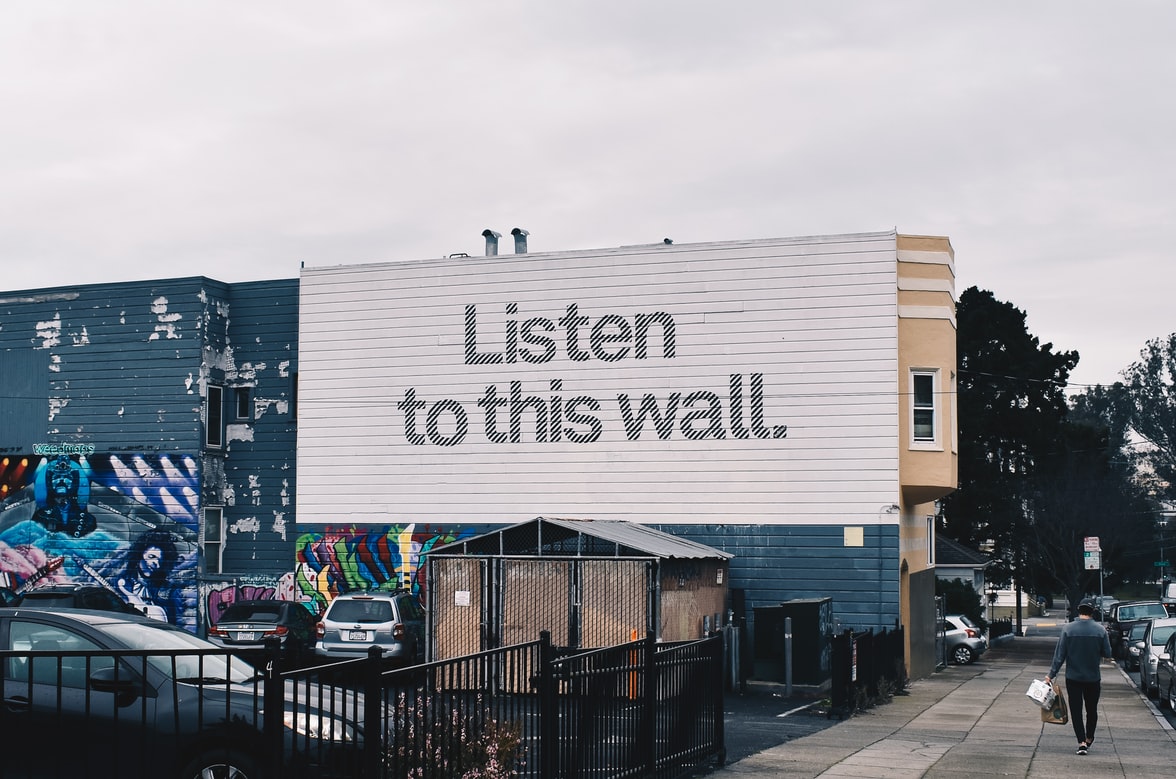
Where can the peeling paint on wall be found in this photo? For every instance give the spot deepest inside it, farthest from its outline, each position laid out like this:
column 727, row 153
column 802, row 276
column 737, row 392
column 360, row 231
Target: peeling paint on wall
column 238, row 432
column 165, row 322
column 49, row 332
column 262, row 405
column 246, row 525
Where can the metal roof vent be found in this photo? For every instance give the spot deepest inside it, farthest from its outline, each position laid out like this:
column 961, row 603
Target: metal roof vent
column 520, row 236
column 491, row 241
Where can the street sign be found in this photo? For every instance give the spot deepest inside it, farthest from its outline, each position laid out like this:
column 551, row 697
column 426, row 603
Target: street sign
column 1090, row 544
column 1092, row 560
column 1161, row 564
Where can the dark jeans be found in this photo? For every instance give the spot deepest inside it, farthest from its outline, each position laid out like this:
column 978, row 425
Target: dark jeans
column 1083, row 695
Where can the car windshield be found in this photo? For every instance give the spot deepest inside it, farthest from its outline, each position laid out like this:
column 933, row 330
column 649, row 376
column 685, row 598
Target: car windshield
column 252, row 612
column 967, row 622
column 1160, row 634
column 1142, row 611
column 211, row 667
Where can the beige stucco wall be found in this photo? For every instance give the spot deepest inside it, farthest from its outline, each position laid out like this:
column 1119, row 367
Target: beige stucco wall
column 927, row 471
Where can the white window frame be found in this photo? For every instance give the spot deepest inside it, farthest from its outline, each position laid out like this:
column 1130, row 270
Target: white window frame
column 919, row 408
column 213, row 544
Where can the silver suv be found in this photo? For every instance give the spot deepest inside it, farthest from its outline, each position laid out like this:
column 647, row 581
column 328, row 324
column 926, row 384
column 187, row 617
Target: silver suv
column 393, row 621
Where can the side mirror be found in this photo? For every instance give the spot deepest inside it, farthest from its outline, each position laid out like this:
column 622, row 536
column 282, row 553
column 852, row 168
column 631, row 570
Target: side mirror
column 125, row 688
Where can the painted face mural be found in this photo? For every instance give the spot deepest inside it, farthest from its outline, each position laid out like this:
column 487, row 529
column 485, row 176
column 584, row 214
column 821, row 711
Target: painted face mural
column 121, row 521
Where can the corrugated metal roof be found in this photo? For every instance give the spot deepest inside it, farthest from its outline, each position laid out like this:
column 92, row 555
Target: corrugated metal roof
column 628, row 538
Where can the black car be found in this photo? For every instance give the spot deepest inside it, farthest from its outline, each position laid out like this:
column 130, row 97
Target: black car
column 1125, row 614
column 249, row 624
column 75, row 596
column 97, row 694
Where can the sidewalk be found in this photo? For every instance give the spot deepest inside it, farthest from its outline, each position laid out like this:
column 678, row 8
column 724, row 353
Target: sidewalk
column 975, row 721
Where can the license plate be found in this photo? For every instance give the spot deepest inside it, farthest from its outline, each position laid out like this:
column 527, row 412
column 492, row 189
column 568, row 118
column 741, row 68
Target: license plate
column 246, row 636
column 357, row 635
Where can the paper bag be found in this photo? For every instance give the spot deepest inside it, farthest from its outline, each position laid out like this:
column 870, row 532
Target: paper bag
column 1058, row 713
column 1041, row 693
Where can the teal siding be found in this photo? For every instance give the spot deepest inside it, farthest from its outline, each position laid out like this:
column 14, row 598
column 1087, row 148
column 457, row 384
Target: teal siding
column 775, row 563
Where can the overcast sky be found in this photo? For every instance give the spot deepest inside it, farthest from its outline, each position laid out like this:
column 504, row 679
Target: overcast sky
column 238, row 140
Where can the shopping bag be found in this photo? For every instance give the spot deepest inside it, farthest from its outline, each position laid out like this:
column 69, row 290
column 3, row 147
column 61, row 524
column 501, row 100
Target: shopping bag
column 1041, row 693
column 1058, row 713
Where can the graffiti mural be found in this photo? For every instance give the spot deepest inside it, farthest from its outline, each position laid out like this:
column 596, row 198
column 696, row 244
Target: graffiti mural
column 127, row 522
column 219, row 596
column 341, row 560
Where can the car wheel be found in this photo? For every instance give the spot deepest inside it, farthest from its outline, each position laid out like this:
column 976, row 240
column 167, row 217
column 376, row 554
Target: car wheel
column 221, row 764
column 962, row 655
column 1172, row 695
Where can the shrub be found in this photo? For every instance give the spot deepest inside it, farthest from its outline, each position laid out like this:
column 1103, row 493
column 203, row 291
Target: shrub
column 459, row 742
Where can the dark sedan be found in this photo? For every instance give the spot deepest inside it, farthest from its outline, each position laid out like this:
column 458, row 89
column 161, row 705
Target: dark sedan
column 97, row 694
column 250, row 624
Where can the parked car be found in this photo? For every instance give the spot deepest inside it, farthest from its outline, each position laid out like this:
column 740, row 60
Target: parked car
column 75, row 596
column 248, row 624
column 394, row 621
column 964, row 641
column 1154, row 638
column 178, row 709
column 1166, row 673
column 1135, row 646
column 1122, row 616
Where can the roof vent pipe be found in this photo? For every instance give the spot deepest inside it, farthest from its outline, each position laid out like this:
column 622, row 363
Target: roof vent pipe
column 491, row 241
column 520, row 236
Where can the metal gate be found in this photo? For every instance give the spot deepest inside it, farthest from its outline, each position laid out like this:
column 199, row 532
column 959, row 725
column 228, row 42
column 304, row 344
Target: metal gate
column 483, row 603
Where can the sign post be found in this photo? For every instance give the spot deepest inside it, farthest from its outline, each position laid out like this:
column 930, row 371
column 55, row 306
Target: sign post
column 1092, row 557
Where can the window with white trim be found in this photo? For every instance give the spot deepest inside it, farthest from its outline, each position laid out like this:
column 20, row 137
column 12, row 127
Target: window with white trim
column 924, row 411
column 214, row 545
column 244, row 411
column 214, row 417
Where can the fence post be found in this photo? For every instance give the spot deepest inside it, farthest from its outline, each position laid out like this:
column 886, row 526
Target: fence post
column 649, row 709
column 549, row 746
column 720, row 726
column 373, row 696
column 274, row 701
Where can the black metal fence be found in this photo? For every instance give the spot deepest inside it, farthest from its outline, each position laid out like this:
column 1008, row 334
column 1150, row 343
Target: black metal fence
column 642, row 709
column 868, row 668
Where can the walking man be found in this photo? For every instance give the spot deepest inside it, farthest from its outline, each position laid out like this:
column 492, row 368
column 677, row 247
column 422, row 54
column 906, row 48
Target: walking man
column 1081, row 648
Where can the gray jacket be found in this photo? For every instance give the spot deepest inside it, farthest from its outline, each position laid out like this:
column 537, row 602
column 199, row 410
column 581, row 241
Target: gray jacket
column 1082, row 646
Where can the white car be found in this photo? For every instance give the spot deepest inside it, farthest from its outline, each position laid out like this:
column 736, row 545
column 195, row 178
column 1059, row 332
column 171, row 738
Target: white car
column 1154, row 638
column 963, row 640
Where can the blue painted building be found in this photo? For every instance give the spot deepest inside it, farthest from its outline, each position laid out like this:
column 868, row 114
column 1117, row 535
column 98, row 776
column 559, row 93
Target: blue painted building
column 147, row 440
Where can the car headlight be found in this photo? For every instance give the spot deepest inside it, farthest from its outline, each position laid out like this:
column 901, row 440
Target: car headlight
column 318, row 726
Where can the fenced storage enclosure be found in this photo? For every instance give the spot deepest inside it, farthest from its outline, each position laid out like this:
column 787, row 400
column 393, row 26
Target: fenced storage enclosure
column 590, row 583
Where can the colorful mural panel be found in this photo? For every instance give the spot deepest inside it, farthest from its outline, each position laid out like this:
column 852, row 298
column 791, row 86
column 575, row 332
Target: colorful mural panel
column 341, row 560
column 218, row 596
column 127, row 522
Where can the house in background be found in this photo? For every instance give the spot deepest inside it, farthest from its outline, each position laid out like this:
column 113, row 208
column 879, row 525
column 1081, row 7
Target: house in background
column 953, row 561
